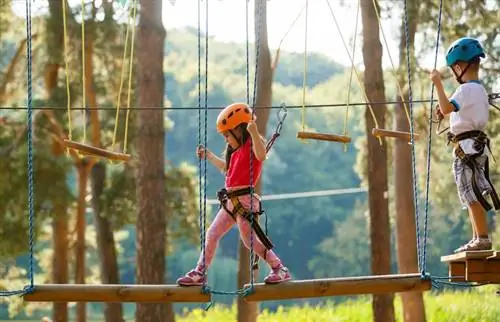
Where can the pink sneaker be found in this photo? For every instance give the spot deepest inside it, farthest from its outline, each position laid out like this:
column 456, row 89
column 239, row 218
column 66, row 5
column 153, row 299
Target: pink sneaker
column 192, row 278
column 278, row 275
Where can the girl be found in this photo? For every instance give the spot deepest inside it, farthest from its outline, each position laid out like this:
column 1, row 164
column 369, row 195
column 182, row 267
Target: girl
column 240, row 132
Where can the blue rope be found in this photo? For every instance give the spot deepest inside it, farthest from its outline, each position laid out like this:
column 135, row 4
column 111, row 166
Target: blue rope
column 429, row 145
column 413, row 158
column 31, row 188
column 205, row 133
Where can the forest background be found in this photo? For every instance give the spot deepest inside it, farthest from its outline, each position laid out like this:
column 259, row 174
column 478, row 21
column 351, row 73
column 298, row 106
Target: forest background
column 87, row 212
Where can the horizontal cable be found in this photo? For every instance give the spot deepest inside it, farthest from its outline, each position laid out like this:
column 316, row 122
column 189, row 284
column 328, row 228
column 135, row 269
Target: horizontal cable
column 214, row 107
column 305, row 194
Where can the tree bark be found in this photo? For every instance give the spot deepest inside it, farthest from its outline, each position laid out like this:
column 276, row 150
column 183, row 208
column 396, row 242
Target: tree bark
column 413, row 303
column 60, row 219
column 60, row 257
column 113, row 312
column 151, row 220
column 380, row 232
column 82, row 168
column 249, row 311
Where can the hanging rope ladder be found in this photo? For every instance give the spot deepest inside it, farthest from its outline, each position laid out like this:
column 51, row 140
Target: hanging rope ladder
column 81, row 147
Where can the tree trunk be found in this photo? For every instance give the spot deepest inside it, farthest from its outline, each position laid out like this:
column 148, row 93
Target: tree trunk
column 413, row 303
column 60, row 219
column 248, row 311
column 60, row 257
column 151, row 219
column 81, row 225
column 380, row 232
column 113, row 312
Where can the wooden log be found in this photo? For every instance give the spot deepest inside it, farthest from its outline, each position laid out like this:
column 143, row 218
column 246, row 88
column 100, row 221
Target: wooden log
column 97, row 152
column 323, row 137
column 485, row 271
column 378, row 284
column 115, row 293
column 394, row 134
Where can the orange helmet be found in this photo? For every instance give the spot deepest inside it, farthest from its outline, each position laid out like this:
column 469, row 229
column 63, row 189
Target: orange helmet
column 232, row 116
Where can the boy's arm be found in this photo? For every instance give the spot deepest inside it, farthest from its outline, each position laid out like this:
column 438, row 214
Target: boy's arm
column 446, row 106
column 217, row 162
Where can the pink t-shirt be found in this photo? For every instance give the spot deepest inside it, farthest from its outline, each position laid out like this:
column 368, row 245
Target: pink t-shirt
column 238, row 172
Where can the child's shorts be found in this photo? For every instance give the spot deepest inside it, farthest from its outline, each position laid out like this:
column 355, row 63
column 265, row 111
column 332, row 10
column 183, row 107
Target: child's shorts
column 463, row 179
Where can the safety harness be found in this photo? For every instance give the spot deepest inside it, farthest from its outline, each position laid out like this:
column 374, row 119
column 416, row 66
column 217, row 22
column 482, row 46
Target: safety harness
column 481, row 141
column 239, row 210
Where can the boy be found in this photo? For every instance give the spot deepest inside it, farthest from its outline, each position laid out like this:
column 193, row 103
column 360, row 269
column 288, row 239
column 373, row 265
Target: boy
column 469, row 109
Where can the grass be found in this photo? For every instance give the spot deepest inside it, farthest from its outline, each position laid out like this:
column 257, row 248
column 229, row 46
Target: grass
column 471, row 306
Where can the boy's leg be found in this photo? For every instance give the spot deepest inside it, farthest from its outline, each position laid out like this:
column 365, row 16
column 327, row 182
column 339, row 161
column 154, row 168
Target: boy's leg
column 219, row 227
column 462, row 174
column 477, row 213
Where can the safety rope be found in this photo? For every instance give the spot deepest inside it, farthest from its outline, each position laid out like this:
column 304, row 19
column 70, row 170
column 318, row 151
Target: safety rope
column 304, row 80
column 31, row 180
column 412, row 136
column 349, row 86
column 394, row 71
column 132, row 20
column 84, row 78
column 351, row 59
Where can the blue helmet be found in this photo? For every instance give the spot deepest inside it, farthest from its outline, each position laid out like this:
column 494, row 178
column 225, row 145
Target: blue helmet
column 464, row 49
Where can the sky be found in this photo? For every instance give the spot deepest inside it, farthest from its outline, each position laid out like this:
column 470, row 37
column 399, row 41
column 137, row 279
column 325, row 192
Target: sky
column 226, row 20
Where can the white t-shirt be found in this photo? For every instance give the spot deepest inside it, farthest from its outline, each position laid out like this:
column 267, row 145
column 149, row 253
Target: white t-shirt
column 471, row 101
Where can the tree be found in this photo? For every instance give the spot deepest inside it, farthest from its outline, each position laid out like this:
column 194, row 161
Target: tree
column 151, row 220
column 413, row 303
column 380, row 232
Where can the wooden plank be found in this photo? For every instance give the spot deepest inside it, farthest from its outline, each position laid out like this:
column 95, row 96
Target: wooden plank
column 378, row 284
column 483, row 271
column 97, row 152
column 456, row 271
column 323, row 137
column 496, row 255
column 115, row 293
column 463, row 256
column 394, row 134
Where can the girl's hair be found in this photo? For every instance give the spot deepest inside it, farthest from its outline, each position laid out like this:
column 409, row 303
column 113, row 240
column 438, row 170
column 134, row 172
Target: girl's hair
column 228, row 152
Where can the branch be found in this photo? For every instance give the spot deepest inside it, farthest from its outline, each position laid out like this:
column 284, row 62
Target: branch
column 9, row 73
column 57, row 131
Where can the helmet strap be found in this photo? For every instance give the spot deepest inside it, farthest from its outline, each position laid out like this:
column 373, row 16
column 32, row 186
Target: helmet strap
column 459, row 77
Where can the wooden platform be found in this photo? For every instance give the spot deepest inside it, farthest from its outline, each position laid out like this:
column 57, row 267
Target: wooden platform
column 378, row 284
column 115, row 293
column 474, row 266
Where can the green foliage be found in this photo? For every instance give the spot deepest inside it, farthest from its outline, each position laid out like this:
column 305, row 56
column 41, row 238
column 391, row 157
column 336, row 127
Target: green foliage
column 446, row 307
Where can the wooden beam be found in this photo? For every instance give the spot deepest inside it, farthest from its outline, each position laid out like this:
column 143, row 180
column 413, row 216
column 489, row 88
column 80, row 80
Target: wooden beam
column 378, row 284
column 464, row 256
column 323, row 137
column 97, row 152
column 394, row 134
column 115, row 293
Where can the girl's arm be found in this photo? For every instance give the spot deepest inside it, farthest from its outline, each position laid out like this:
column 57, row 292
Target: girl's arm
column 258, row 145
column 217, row 162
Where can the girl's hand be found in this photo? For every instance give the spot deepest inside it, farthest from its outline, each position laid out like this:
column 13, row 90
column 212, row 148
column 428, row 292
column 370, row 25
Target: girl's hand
column 202, row 152
column 252, row 127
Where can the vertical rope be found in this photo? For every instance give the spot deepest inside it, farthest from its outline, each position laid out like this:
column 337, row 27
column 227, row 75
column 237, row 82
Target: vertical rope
column 412, row 137
column 66, row 70
column 205, row 128
column 84, row 94
column 31, row 188
column 200, row 164
column 429, row 144
column 304, row 80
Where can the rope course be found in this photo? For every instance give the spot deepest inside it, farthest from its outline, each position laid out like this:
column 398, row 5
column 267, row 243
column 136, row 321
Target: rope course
column 421, row 281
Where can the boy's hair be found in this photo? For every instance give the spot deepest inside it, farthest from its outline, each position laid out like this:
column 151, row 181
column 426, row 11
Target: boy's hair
column 228, row 152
